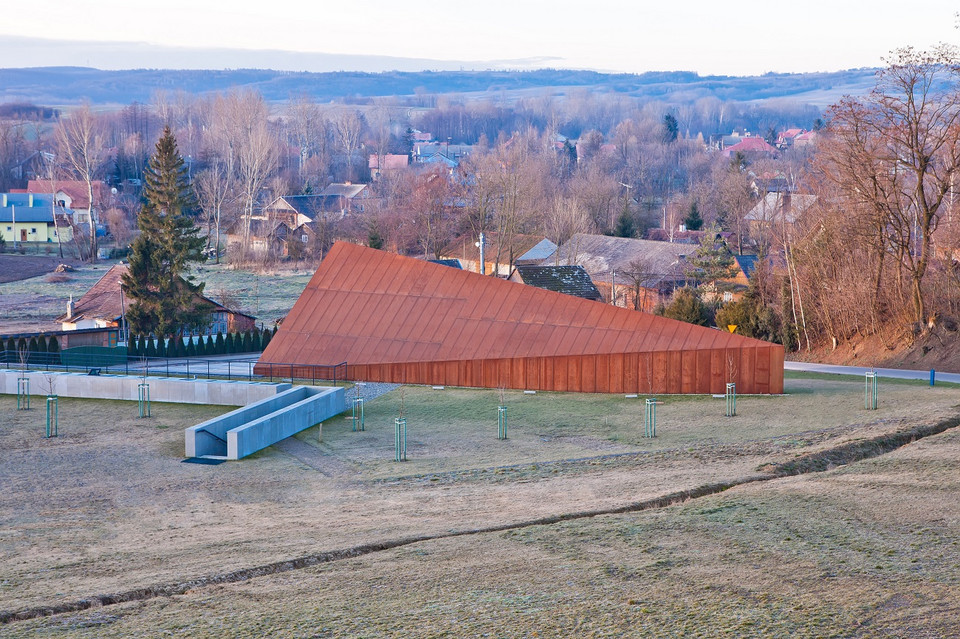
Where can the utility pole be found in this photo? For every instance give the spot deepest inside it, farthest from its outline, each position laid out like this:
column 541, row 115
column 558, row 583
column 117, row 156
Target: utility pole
column 483, row 263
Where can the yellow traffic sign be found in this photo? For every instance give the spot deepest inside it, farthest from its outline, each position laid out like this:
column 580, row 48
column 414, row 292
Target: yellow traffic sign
column 731, row 327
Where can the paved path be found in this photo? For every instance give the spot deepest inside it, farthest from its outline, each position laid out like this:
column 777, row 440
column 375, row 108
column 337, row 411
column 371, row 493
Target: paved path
column 813, row 367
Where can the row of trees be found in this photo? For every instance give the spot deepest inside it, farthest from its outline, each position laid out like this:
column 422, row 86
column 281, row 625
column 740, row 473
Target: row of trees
column 875, row 251
column 240, row 151
column 253, row 341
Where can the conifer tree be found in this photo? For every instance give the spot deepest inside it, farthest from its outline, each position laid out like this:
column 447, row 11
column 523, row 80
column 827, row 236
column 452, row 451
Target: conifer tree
column 712, row 261
column 165, row 301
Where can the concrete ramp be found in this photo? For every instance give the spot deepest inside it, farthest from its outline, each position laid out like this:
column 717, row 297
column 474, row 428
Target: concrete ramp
column 263, row 423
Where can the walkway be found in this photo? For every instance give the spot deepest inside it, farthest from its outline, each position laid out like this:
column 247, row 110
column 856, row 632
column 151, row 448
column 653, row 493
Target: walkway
column 814, row 367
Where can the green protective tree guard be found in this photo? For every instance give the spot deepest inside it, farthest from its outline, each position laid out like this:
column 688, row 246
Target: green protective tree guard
column 143, row 399
column 400, row 438
column 870, row 394
column 358, row 423
column 53, row 416
column 650, row 418
column 23, row 393
column 501, row 422
column 731, row 400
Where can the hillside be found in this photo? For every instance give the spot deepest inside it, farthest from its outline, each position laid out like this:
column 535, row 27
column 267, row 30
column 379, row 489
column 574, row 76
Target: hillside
column 938, row 350
column 73, row 85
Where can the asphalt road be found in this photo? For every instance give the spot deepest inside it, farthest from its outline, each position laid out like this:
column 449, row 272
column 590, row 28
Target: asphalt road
column 812, row 367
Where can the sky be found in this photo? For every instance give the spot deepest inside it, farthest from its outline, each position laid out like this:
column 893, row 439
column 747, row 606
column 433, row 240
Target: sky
column 747, row 37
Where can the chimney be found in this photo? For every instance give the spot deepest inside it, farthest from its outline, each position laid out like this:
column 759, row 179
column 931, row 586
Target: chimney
column 70, row 308
column 787, row 201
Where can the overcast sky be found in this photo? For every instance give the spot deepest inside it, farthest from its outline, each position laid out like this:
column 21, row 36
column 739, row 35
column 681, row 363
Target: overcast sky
column 732, row 38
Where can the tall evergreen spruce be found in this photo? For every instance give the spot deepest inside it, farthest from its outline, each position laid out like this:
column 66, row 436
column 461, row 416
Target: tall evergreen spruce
column 165, row 301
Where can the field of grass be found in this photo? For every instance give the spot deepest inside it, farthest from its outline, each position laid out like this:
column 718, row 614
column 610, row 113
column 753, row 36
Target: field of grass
column 864, row 550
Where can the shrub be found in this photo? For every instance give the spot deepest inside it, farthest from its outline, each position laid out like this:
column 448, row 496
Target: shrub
column 220, row 347
column 54, row 345
column 686, row 306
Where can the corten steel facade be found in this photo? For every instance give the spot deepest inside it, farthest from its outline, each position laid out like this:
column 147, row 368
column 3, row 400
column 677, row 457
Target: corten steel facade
column 398, row 319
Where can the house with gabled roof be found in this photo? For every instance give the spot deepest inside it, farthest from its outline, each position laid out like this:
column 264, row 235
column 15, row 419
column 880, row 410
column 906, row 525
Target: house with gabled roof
column 29, row 217
column 786, row 138
column 777, row 211
column 750, row 147
column 386, row 164
column 633, row 273
column 499, row 255
column 294, row 210
column 805, row 139
column 73, row 195
column 104, row 305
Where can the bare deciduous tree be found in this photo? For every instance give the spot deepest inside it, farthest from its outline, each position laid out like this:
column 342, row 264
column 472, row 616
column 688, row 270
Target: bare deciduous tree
column 897, row 151
column 80, row 140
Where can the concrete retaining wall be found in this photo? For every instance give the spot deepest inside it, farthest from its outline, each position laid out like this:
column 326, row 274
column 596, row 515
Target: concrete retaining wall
column 162, row 389
column 270, row 429
column 197, row 445
column 263, row 423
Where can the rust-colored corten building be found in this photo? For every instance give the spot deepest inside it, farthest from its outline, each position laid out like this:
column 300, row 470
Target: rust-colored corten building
column 398, row 319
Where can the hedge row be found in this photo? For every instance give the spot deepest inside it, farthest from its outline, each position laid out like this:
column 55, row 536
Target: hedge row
column 36, row 344
column 253, row 341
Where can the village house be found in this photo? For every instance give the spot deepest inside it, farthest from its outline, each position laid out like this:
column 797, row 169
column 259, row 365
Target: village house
column 499, row 255
column 386, row 164
column 636, row 274
column 72, row 195
column 28, row 217
column 776, row 214
column 751, row 148
column 104, row 306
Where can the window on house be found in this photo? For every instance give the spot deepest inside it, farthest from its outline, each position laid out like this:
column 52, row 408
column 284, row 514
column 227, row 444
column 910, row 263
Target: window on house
column 33, row 230
column 304, row 238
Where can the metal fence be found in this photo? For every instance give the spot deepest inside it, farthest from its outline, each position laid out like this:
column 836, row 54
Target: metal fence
column 328, row 372
column 198, row 368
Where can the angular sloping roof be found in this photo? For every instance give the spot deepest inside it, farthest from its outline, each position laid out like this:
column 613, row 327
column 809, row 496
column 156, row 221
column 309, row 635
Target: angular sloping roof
column 393, row 318
column 569, row 280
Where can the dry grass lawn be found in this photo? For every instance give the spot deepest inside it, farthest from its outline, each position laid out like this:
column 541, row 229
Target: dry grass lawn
column 865, row 550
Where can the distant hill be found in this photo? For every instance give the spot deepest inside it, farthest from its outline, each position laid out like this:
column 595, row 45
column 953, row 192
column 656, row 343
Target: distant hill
column 56, row 86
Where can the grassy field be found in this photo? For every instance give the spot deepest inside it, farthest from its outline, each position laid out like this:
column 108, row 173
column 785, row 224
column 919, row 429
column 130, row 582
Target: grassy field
column 31, row 304
column 863, row 550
